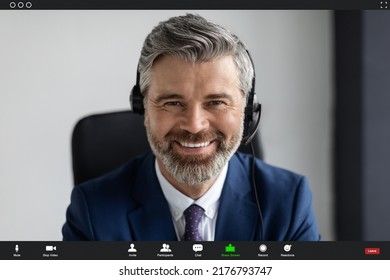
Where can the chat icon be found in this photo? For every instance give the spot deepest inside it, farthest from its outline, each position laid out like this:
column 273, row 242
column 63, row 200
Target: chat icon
column 197, row 247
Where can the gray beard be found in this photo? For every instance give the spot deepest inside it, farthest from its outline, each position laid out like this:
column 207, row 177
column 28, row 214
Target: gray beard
column 193, row 170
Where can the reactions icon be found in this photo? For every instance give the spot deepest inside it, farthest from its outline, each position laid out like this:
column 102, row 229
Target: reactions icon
column 287, row 248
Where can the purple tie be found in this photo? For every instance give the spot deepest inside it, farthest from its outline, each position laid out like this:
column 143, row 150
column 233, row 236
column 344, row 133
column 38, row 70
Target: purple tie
column 192, row 215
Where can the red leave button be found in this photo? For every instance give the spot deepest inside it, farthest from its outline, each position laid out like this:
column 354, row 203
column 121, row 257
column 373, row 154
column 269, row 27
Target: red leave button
column 372, row 251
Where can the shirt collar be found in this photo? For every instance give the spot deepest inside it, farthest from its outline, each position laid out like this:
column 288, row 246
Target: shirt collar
column 178, row 202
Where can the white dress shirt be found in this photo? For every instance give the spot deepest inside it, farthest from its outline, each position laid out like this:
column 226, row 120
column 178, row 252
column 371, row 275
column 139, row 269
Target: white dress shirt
column 178, row 202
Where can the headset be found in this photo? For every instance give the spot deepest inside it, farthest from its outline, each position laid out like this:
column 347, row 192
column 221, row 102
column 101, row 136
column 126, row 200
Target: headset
column 252, row 116
column 252, row 108
column 136, row 98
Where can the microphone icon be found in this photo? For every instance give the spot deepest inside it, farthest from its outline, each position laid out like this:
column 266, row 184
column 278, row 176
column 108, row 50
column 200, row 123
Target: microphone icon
column 16, row 248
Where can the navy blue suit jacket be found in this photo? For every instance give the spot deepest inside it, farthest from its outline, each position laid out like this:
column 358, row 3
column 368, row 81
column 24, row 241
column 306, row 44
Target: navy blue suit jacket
column 128, row 204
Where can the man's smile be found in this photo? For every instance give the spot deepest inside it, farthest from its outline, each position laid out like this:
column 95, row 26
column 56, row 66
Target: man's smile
column 194, row 145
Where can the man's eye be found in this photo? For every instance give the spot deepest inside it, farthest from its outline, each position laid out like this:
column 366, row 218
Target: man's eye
column 172, row 103
column 216, row 103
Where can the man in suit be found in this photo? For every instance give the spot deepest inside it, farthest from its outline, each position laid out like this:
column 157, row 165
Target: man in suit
column 195, row 86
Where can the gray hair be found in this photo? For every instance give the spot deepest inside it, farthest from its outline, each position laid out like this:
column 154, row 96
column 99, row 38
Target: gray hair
column 194, row 39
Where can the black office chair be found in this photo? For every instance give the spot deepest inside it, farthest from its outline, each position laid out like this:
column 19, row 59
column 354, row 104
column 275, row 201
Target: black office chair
column 102, row 142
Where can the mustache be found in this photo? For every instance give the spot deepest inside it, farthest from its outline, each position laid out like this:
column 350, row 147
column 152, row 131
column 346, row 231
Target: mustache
column 202, row 136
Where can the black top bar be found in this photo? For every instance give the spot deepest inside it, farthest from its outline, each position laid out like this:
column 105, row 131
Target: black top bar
column 191, row 4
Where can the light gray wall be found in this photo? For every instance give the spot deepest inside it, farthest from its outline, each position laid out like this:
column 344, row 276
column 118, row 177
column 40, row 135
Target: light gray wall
column 57, row 66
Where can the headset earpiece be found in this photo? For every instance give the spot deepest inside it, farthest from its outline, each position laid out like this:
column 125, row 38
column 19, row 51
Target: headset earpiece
column 136, row 99
column 252, row 111
column 252, row 118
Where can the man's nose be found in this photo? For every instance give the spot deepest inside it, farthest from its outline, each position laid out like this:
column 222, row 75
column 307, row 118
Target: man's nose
column 194, row 119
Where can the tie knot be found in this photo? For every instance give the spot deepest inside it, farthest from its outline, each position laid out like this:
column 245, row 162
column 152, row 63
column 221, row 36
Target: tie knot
column 193, row 212
column 192, row 216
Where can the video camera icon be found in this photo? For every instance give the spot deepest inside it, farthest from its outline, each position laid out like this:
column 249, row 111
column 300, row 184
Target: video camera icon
column 51, row 248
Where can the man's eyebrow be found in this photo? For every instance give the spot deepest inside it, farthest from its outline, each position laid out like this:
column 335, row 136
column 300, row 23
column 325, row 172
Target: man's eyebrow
column 168, row 96
column 220, row 96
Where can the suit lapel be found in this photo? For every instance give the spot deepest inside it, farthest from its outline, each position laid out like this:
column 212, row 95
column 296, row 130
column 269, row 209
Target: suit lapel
column 237, row 214
column 152, row 220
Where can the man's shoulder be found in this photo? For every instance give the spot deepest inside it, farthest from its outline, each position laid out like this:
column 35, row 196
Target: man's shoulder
column 269, row 178
column 285, row 198
column 264, row 169
column 99, row 207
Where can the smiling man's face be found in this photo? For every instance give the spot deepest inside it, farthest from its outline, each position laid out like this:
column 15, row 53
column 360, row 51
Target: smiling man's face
column 194, row 117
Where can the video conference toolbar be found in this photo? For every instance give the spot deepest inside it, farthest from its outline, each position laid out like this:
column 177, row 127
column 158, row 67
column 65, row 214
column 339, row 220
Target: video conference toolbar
column 174, row 250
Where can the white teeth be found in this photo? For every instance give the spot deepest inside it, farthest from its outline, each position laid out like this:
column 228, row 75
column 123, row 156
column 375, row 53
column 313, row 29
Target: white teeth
column 195, row 145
